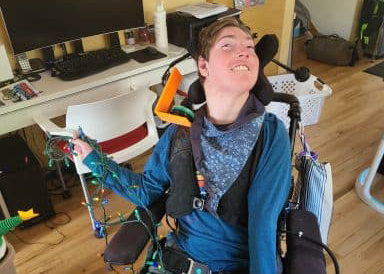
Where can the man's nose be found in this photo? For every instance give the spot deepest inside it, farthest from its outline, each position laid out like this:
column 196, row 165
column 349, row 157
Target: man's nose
column 243, row 51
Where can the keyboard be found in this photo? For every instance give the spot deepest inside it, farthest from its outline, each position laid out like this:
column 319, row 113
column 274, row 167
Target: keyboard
column 76, row 66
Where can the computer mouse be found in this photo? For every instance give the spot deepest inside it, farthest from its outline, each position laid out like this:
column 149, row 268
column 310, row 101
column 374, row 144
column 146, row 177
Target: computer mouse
column 152, row 50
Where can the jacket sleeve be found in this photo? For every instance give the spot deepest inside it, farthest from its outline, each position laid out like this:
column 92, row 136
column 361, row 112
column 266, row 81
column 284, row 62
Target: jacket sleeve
column 267, row 196
column 141, row 189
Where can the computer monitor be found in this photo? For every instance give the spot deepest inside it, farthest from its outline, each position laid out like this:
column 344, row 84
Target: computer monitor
column 35, row 24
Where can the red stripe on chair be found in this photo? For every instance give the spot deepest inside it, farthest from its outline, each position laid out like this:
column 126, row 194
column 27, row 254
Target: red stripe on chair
column 115, row 144
column 124, row 141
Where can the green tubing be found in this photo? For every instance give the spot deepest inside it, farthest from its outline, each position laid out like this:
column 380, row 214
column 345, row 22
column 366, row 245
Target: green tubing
column 7, row 225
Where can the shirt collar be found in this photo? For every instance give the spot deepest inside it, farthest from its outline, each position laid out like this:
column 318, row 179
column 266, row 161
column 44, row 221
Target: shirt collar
column 250, row 110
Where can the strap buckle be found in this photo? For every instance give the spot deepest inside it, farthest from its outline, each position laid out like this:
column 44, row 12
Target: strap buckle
column 198, row 203
column 197, row 268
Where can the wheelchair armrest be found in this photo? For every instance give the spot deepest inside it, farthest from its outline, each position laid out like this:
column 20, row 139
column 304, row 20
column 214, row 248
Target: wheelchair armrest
column 127, row 244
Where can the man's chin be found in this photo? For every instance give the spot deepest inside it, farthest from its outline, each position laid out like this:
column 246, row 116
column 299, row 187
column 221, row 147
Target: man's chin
column 243, row 87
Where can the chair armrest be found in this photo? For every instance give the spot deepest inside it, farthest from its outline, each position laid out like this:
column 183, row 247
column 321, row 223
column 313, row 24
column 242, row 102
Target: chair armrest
column 51, row 128
column 127, row 244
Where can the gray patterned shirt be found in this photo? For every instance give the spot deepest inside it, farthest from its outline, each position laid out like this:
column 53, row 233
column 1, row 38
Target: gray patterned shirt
column 224, row 155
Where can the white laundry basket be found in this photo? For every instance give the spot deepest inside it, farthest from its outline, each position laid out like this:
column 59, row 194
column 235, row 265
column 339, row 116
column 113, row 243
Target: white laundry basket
column 310, row 93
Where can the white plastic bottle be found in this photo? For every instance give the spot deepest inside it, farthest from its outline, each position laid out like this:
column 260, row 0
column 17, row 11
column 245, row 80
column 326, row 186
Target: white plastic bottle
column 160, row 21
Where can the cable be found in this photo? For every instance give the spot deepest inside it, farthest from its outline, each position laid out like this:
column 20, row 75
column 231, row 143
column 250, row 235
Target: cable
column 165, row 76
column 69, row 219
column 72, row 182
column 329, row 251
column 174, row 229
column 50, row 226
column 105, row 217
column 113, row 269
column 40, row 243
column 98, row 179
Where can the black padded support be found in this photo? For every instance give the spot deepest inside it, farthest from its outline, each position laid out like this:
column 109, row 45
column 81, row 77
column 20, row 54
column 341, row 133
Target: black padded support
column 303, row 256
column 127, row 244
column 265, row 49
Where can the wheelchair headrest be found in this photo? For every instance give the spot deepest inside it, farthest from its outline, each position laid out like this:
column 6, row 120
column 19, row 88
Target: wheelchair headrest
column 265, row 49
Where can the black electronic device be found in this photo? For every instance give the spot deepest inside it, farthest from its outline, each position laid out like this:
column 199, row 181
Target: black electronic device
column 22, row 183
column 41, row 23
column 76, row 66
column 183, row 28
column 28, row 66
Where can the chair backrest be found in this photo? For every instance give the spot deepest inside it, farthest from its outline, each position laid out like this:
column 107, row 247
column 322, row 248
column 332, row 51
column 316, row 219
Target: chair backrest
column 107, row 119
column 114, row 117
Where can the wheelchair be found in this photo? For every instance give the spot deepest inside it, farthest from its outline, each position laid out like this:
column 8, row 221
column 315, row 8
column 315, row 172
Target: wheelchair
column 127, row 244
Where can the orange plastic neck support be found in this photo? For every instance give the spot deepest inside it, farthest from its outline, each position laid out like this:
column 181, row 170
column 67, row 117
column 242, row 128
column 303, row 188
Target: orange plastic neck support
column 164, row 104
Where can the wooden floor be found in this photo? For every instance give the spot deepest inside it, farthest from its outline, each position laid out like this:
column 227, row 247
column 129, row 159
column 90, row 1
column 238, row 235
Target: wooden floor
column 347, row 136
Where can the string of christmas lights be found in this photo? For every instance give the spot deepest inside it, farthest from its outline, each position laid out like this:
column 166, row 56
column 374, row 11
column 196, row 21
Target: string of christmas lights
column 61, row 148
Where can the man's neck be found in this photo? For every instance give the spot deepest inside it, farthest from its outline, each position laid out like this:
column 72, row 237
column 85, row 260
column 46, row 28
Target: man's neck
column 222, row 108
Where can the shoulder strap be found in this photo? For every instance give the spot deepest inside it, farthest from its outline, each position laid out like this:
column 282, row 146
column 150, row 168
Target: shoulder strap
column 184, row 187
column 258, row 150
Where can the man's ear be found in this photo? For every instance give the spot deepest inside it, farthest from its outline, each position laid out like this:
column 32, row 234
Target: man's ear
column 202, row 66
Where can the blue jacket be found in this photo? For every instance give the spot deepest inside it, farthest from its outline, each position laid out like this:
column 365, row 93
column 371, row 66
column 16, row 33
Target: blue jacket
column 266, row 197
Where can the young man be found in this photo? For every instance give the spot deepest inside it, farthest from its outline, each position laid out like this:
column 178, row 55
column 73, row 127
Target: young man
column 235, row 230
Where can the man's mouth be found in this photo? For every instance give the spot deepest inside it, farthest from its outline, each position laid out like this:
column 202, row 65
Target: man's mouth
column 240, row 68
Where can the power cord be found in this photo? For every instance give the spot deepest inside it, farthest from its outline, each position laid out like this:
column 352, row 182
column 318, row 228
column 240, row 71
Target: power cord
column 166, row 74
column 300, row 234
column 50, row 226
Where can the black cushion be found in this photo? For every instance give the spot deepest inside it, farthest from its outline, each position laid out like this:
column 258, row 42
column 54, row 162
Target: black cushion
column 303, row 256
column 127, row 244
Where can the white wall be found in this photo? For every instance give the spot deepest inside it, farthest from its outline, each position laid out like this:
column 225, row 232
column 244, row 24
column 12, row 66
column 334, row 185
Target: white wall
column 335, row 16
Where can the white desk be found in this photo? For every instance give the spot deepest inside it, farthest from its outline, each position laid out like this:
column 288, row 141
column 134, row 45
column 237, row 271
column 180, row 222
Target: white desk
column 57, row 95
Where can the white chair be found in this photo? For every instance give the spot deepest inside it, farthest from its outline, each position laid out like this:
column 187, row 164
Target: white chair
column 109, row 121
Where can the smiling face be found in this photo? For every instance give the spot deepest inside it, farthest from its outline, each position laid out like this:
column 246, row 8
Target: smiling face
column 232, row 64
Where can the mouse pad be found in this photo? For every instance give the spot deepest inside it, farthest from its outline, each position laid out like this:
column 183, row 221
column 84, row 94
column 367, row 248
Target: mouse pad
column 146, row 55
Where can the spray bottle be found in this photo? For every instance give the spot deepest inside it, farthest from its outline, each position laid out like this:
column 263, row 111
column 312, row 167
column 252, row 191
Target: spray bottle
column 160, row 21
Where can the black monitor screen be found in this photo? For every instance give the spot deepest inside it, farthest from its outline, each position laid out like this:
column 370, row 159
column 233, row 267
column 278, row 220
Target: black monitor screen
column 33, row 24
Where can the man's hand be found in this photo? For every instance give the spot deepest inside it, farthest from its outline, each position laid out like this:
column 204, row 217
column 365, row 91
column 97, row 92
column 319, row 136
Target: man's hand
column 81, row 148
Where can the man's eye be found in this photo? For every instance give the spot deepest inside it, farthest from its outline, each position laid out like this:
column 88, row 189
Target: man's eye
column 227, row 45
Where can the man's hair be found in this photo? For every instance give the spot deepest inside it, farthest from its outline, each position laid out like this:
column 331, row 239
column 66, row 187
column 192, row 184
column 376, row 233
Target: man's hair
column 208, row 35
